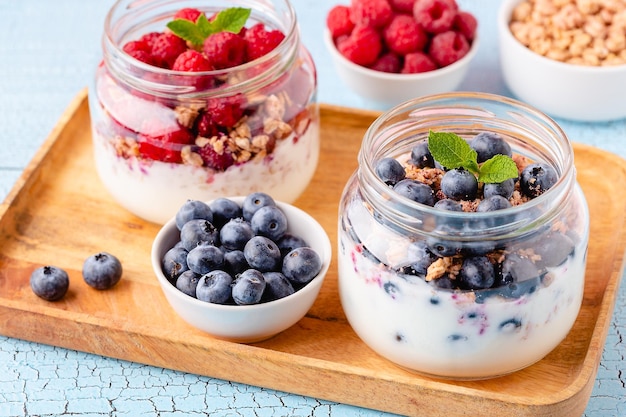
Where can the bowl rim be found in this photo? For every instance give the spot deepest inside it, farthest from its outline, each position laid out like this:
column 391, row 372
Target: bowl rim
column 504, row 17
column 169, row 227
column 423, row 76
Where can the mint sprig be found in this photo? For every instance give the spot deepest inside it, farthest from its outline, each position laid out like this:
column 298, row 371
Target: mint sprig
column 232, row 20
column 451, row 151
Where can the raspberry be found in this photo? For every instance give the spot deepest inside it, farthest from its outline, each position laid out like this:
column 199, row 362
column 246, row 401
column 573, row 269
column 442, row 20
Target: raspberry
column 338, row 21
column 388, row 62
column 260, row 41
column 192, row 61
column 403, row 35
column 448, row 47
column 140, row 51
column 225, row 50
column 188, row 13
column 166, row 49
column 402, row 6
column 374, row 13
column 165, row 147
column 435, row 16
column 362, row 47
column 214, row 159
column 149, row 39
column 205, row 126
column 226, row 111
column 466, row 24
column 417, row 62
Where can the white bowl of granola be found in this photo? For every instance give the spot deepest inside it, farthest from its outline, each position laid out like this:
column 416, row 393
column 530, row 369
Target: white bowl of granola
column 579, row 75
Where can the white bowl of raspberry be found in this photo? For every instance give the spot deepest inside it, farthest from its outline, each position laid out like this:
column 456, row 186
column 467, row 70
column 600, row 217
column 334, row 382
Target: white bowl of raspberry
column 577, row 75
column 197, row 100
column 241, row 269
column 389, row 55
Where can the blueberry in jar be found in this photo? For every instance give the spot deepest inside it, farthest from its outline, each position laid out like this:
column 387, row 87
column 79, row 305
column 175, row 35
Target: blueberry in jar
column 421, row 156
column 488, row 145
column 416, row 191
column 504, row 188
column 390, row 171
column 476, row 273
column 537, row 178
column 102, row 271
column 459, row 184
column 49, row 282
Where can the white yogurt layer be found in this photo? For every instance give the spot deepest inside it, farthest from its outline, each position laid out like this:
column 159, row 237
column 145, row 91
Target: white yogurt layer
column 155, row 190
column 447, row 333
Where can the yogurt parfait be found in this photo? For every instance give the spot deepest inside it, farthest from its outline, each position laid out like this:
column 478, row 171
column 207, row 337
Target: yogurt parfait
column 195, row 101
column 463, row 237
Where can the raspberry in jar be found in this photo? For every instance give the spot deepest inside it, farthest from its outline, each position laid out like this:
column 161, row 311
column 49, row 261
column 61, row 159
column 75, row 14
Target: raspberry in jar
column 196, row 100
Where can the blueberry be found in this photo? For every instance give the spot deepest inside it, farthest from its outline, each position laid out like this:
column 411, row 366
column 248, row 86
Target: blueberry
column 445, row 283
column 276, row 286
column 214, row 287
column 174, row 263
column 459, row 184
column 421, row 156
column 504, row 189
column 255, row 201
column 248, row 288
column 489, row 144
column 493, row 203
column 448, row 204
column 193, row 209
column 301, row 265
column 205, row 258
column 224, row 209
column 457, row 338
column 537, row 179
column 553, row 249
column 518, row 276
column 420, row 258
column 269, row 221
column 235, row 262
column 442, row 246
column 102, row 271
column 390, row 171
column 198, row 231
column 49, row 282
column 235, row 233
column 476, row 273
column 289, row 242
column 187, row 282
column 263, row 254
column 510, row 325
column 416, row 191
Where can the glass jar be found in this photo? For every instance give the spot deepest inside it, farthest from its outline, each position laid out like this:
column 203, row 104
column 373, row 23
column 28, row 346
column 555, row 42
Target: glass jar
column 401, row 262
column 162, row 137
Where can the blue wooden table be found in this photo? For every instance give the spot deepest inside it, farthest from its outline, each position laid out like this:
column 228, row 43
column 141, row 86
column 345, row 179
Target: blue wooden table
column 48, row 52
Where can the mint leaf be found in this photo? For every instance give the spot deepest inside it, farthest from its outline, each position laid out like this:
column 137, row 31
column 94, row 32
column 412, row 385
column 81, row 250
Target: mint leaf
column 451, row 151
column 497, row 169
column 232, row 20
column 187, row 30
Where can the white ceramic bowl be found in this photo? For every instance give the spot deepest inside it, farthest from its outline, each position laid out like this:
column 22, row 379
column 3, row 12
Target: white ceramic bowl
column 251, row 323
column 575, row 92
column 392, row 89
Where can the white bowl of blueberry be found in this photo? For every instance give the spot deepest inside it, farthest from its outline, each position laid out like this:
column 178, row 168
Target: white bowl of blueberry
column 242, row 269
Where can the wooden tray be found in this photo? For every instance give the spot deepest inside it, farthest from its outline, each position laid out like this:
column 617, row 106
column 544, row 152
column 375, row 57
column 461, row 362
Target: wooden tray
column 58, row 213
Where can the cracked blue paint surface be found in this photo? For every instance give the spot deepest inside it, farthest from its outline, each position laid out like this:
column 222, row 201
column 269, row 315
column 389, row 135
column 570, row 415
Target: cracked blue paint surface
column 42, row 68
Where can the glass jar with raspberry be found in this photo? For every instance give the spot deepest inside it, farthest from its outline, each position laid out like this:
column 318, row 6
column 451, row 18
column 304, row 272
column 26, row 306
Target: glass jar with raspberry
column 197, row 100
column 463, row 236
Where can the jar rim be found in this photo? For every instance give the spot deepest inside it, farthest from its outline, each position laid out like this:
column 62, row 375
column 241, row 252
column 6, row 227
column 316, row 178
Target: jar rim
column 397, row 120
column 113, row 47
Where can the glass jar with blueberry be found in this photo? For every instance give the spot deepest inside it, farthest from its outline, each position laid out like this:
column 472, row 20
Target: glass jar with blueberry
column 198, row 100
column 463, row 236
